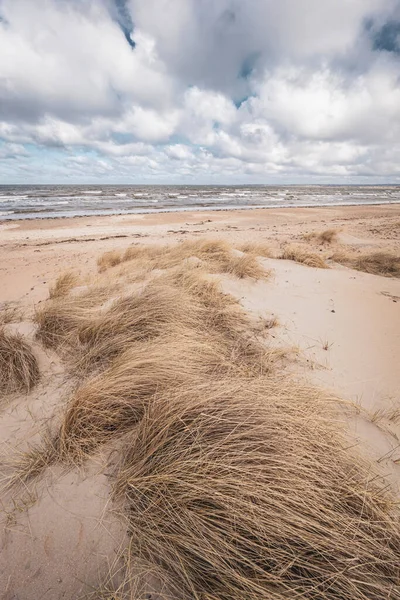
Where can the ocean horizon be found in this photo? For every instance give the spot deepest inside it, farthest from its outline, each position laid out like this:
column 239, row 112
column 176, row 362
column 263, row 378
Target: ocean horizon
column 57, row 201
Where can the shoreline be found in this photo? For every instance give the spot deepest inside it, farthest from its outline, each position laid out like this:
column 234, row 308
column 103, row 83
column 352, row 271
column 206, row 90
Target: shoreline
column 187, row 209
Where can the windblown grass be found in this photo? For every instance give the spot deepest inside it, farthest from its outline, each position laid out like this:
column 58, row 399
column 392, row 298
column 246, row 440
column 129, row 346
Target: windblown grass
column 377, row 263
column 10, row 312
column 245, row 490
column 236, row 483
column 304, row 256
column 131, row 319
column 26, row 465
column 63, row 285
column 59, row 321
column 181, row 297
column 178, row 330
column 257, row 248
column 322, row 237
column 246, row 266
column 109, row 259
column 216, row 254
column 19, row 370
column 114, row 401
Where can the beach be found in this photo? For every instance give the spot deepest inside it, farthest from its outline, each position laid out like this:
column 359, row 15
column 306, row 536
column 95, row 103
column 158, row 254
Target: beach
column 342, row 323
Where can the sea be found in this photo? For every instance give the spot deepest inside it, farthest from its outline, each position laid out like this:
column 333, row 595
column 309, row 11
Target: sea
column 56, row 201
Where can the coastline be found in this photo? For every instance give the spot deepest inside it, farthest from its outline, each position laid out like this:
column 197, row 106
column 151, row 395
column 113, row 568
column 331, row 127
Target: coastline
column 185, row 209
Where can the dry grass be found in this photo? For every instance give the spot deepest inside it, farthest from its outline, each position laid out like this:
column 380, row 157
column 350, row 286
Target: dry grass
column 131, row 319
column 236, row 483
column 217, row 255
column 19, row 370
column 242, row 491
column 26, row 465
column 182, row 297
column 127, row 579
column 63, row 285
column 199, row 285
column 322, row 237
column 246, row 266
column 303, row 255
column 114, row 402
column 178, row 330
column 10, row 312
column 209, row 345
column 59, row 321
column 377, row 263
column 109, row 259
column 257, row 248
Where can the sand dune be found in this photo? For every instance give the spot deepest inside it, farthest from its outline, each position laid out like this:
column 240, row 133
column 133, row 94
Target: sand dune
column 201, row 336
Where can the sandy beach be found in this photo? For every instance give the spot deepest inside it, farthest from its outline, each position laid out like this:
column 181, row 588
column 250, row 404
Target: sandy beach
column 57, row 539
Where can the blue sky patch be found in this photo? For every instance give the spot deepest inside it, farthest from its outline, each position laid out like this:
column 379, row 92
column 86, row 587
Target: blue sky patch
column 387, row 38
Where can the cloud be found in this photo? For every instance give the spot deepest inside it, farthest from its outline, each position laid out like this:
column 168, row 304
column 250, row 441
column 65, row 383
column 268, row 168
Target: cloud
column 197, row 90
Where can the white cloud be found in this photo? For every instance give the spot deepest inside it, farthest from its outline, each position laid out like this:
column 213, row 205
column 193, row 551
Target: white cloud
column 212, row 88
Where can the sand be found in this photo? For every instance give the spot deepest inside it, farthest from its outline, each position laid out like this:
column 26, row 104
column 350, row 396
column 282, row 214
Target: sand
column 58, row 541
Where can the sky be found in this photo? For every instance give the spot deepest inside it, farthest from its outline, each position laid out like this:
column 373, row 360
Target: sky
column 200, row 91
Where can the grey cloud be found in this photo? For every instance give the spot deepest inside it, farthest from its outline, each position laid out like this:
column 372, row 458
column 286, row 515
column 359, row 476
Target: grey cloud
column 205, row 86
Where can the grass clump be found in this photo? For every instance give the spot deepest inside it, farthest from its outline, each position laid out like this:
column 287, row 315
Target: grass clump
column 376, row 263
column 240, row 491
column 132, row 319
column 181, row 329
column 63, row 285
column 217, row 255
column 304, row 256
column 245, row 266
column 114, row 401
column 257, row 248
column 30, row 463
column 59, row 320
column 328, row 236
column 10, row 312
column 19, row 370
column 109, row 259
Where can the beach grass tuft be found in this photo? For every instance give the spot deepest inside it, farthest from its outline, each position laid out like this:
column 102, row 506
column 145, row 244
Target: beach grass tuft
column 303, row 255
column 19, row 369
column 376, row 263
column 63, row 285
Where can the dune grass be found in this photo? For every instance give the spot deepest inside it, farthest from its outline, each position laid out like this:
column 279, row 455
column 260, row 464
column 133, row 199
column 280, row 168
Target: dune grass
column 28, row 464
column 303, row 255
column 328, row 236
column 19, row 370
column 216, row 254
column 236, row 482
column 256, row 248
column 10, row 312
column 246, row 266
column 63, row 285
column 245, row 490
column 178, row 328
column 59, row 320
column 91, row 337
column 114, row 401
column 376, row 263
column 109, row 259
